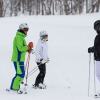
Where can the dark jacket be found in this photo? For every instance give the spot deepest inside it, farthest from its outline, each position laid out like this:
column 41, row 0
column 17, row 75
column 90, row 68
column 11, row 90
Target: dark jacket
column 96, row 48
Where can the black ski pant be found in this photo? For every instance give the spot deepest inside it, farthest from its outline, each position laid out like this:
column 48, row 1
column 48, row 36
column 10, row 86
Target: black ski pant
column 41, row 75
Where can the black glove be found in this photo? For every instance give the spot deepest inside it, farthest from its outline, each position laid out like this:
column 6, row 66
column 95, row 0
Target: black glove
column 90, row 49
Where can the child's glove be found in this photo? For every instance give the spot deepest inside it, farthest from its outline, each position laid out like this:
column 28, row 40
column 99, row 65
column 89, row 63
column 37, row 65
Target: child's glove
column 45, row 61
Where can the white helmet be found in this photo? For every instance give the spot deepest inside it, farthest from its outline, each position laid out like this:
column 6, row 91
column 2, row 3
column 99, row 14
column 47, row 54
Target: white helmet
column 43, row 34
column 23, row 25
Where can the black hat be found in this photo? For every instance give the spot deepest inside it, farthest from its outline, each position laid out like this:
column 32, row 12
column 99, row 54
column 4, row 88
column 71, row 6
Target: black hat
column 97, row 25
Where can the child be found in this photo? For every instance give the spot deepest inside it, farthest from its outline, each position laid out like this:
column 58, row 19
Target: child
column 41, row 59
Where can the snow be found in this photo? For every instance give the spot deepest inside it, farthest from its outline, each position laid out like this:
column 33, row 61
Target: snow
column 67, row 71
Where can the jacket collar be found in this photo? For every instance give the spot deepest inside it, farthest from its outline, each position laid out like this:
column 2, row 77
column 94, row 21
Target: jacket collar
column 21, row 33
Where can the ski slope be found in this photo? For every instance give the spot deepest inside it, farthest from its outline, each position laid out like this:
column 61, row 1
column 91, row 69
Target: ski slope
column 67, row 71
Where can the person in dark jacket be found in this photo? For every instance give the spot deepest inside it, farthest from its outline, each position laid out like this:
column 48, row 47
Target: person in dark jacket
column 96, row 48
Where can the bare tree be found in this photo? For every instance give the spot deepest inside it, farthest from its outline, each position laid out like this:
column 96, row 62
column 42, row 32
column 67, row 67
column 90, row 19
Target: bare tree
column 30, row 8
column 98, row 5
column 47, row 7
column 92, row 6
column 67, row 6
column 1, row 8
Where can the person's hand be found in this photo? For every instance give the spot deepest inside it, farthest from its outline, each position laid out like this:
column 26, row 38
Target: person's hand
column 30, row 46
column 43, row 61
column 90, row 49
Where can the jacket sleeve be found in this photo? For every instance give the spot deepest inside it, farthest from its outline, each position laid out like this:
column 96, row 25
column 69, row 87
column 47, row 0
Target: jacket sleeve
column 38, row 52
column 91, row 49
column 45, row 51
column 20, row 45
column 97, row 44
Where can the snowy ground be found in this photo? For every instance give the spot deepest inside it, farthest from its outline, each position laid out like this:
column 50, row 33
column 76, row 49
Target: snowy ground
column 67, row 71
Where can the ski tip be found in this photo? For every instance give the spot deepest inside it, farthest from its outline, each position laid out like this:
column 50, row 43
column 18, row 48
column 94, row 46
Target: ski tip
column 96, row 96
column 25, row 93
column 7, row 89
column 69, row 87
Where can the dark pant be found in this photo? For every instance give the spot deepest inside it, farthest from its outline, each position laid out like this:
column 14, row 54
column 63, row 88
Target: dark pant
column 41, row 75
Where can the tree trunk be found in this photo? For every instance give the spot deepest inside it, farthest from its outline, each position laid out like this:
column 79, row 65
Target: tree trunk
column 1, row 8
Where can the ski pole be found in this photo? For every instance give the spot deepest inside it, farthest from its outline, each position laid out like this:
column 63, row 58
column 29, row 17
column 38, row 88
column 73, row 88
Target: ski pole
column 26, row 68
column 94, row 79
column 27, row 61
column 34, row 69
column 89, row 74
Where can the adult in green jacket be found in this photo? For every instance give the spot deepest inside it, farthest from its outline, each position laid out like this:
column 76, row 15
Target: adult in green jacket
column 18, row 56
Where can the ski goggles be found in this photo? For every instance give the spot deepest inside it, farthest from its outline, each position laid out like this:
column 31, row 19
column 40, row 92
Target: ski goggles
column 25, row 29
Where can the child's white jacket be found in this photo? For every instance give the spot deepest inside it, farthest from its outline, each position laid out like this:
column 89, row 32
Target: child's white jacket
column 41, row 51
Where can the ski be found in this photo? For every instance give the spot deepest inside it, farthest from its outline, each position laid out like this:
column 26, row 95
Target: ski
column 97, row 95
column 39, row 87
column 11, row 91
column 8, row 90
column 16, row 92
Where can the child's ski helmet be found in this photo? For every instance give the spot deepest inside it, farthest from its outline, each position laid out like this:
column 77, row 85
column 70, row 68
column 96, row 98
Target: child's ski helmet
column 43, row 34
